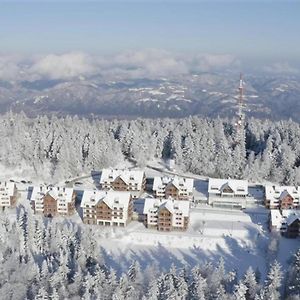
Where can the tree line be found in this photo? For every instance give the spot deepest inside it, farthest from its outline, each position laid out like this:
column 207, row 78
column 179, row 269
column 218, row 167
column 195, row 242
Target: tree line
column 60, row 148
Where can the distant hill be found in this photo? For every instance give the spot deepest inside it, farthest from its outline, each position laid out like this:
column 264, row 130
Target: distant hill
column 205, row 94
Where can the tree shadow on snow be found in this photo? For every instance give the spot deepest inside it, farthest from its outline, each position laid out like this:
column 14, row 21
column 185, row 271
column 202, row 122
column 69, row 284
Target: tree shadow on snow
column 96, row 175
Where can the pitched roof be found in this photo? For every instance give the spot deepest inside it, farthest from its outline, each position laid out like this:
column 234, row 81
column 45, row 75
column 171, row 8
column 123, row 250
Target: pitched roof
column 226, row 186
column 128, row 176
column 56, row 192
column 170, row 204
column 111, row 198
column 276, row 218
column 9, row 187
column 286, row 215
column 239, row 187
column 275, row 192
column 162, row 182
column 293, row 216
column 284, row 194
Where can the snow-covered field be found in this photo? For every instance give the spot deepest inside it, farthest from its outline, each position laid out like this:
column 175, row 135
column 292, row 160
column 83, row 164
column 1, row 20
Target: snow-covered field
column 240, row 238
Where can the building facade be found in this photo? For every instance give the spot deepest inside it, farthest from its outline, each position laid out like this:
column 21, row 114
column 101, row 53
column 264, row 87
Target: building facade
column 123, row 180
column 282, row 197
column 8, row 194
column 109, row 208
column 53, row 201
column 176, row 187
column 166, row 214
column 228, row 192
column 287, row 222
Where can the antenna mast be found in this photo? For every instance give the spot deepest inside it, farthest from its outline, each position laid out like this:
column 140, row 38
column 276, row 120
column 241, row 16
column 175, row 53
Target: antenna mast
column 241, row 115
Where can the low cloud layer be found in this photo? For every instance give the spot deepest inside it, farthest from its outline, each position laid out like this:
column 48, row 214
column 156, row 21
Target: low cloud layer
column 281, row 68
column 150, row 63
column 10, row 67
column 63, row 66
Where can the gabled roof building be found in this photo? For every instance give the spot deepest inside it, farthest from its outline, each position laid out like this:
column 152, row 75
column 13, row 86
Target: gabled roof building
column 178, row 188
column 166, row 214
column 8, row 194
column 285, row 221
column 227, row 192
column 122, row 180
column 109, row 208
column 53, row 200
column 282, row 197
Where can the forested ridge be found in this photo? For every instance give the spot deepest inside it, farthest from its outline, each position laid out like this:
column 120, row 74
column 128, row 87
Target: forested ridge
column 64, row 147
column 42, row 259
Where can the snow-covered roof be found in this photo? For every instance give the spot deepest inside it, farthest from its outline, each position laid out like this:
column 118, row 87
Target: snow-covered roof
column 170, row 204
column 275, row 192
column 56, row 192
column 238, row 187
column 161, row 182
column 8, row 187
column 276, row 218
column 293, row 216
column 128, row 176
column 287, row 215
column 111, row 198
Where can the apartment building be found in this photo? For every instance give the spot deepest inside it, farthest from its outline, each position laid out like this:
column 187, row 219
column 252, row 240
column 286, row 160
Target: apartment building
column 53, row 200
column 286, row 221
column 8, row 194
column 227, row 192
column 123, row 180
column 166, row 214
column 175, row 187
column 282, row 197
column 109, row 208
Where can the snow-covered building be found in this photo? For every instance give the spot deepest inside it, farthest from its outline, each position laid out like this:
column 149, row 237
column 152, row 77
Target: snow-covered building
column 109, row 208
column 166, row 215
column 286, row 221
column 178, row 188
column 123, row 180
column 8, row 194
column 228, row 192
column 282, row 197
column 53, row 200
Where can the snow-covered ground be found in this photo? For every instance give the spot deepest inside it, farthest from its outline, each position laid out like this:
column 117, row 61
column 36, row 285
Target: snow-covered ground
column 240, row 237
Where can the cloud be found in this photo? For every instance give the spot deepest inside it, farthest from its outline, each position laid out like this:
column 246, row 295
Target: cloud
column 63, row 66
column 210, row 62
column 10, row 68
column 281, row 68
column 146, row 63
column 150, row 63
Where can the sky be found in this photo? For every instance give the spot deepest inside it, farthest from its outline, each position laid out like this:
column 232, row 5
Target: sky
column 250, row 29
column 62, row 39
